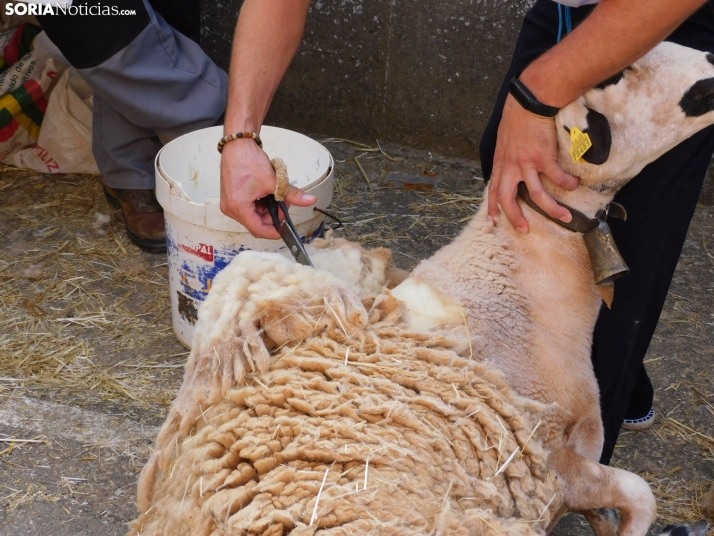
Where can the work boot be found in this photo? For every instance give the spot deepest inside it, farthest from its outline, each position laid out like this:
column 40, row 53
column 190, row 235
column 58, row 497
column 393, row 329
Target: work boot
column 143, row 217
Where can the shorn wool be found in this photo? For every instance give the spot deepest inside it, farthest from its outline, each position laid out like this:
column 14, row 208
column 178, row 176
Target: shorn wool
column 308, row 409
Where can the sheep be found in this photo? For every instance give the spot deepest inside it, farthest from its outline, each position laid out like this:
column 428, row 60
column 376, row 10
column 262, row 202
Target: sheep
column 319, row 401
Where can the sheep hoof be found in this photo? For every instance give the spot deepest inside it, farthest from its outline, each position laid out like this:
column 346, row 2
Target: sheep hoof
column 687, row 529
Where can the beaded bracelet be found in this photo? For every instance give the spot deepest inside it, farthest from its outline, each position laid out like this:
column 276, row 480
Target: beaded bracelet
column 238, row 135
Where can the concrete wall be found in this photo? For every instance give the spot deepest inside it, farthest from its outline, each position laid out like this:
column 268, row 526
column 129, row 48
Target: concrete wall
column 423, row 73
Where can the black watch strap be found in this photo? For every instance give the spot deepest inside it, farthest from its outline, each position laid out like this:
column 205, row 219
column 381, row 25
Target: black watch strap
column 526, row 99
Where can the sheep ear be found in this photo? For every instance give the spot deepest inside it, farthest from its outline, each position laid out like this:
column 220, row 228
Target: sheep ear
column 699, row 99
column 613, row 80
column 601, row 137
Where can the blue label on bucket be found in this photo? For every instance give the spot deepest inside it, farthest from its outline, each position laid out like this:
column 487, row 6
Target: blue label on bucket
column 200, row 263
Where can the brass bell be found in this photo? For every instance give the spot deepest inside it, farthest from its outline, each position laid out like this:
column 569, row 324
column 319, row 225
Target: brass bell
column 607, row 263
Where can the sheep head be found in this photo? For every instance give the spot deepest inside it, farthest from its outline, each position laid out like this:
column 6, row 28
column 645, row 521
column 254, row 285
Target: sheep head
column 638, row 115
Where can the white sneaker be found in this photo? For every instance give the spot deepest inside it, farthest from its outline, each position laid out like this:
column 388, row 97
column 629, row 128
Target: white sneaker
column 643, row 423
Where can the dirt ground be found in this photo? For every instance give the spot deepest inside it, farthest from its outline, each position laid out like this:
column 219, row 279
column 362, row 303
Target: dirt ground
column 89, row 363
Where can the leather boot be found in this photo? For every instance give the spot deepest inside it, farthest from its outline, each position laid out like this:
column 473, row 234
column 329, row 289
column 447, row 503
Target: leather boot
column 143, row 217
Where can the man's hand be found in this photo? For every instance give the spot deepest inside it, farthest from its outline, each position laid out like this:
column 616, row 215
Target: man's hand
column 267, row 36
column 246, row 176
column 527, row 145
column 599, row 47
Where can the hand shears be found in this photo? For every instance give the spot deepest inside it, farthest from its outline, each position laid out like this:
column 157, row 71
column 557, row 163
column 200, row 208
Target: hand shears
column 286, row 229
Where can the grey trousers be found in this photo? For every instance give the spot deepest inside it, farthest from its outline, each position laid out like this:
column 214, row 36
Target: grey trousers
column 160, row 86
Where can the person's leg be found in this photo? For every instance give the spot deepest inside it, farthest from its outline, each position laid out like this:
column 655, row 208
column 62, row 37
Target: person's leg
column 162, row 81
column 125, row 158
column 159, row 86
column 640, row 414
column 125, row 143
column 124, row 151
column 623, row 334
column 148, row 99
column 151, row 84
column 660, row 203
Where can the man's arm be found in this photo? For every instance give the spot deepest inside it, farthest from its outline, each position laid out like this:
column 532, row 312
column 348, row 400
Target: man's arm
column 617, row 33
column 266, row 39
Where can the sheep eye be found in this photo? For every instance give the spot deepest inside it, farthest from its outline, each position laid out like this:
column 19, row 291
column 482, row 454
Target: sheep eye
column 699, row 99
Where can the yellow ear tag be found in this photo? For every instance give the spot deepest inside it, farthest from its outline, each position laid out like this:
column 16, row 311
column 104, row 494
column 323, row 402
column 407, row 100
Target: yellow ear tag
column 579, row 144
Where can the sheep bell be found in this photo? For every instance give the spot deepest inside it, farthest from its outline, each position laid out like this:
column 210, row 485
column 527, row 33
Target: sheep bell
column 605, row 258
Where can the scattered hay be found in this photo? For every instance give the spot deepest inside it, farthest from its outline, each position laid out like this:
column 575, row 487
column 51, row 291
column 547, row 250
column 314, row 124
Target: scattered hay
column 414, row 223
column 673, row 427
column 81, row 312
column 33, row 492
column 677, row 499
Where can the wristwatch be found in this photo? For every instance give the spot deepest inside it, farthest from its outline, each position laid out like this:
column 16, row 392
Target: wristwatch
column 526, row 99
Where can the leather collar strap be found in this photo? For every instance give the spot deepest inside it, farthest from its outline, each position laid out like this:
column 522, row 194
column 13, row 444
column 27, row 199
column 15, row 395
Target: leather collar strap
column 580, row 222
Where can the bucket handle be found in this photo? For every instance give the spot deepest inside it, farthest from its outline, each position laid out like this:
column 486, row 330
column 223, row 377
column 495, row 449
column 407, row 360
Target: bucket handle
column 332, row 216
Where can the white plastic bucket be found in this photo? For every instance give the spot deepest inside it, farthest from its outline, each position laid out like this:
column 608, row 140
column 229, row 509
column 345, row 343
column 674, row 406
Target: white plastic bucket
column 201, row 240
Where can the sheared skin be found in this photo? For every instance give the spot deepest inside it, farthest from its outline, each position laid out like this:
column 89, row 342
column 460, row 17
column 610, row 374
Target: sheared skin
column 499, row 276
column 530, row 300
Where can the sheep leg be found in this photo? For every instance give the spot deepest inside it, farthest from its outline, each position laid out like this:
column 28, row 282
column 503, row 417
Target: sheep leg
column 604, row 521
column 587, row 485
